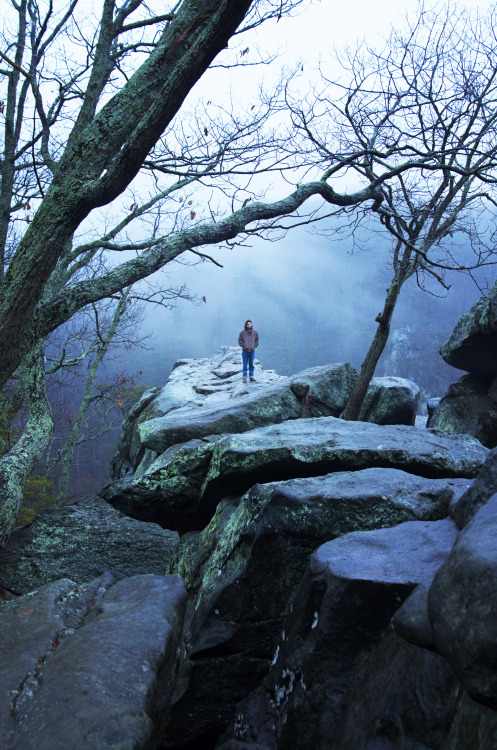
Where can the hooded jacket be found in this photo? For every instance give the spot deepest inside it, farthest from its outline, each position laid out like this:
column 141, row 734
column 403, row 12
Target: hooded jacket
column 248, row 339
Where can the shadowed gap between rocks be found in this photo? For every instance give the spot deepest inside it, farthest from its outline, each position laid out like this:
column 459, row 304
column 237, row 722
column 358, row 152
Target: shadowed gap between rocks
column 273, row 472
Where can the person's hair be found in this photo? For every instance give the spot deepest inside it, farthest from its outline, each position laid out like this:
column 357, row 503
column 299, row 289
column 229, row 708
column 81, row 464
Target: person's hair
column 247, row 321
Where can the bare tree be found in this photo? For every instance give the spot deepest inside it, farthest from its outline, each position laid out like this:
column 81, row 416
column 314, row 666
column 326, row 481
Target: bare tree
column 418, row 121
column 77, row 136
column 109, row 125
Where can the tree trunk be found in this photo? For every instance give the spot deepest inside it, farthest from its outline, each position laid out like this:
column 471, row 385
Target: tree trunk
column 368, row 367
column 106, row 156
column 17, row 465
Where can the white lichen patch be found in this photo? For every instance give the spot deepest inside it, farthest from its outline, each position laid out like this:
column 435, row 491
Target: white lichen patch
column 276, row 654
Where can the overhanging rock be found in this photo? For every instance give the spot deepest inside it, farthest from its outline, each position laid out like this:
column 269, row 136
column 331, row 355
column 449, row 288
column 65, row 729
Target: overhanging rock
column 183, row 486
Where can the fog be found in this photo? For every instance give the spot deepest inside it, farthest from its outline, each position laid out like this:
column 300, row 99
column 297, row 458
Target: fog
column 312, row 302
column 311, row 299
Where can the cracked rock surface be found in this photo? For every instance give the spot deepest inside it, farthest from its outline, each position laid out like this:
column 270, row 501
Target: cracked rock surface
column 91, row 665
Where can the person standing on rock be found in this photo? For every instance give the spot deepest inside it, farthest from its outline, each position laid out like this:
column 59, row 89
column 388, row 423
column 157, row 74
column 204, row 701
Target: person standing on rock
column 248, row 340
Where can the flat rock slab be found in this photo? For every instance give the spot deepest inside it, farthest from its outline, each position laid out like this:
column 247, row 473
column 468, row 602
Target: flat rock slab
column 90, row 666
column 341, row 613
column 319, row 391
column 276, row 404
column 183, row 486
column 246, row 565
column 409, row 553
column 80, row 542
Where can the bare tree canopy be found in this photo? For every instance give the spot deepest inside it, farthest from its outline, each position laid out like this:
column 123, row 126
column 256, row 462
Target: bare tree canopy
column 418, row 121
column 76, row 134
column 97, row 114
column 109, row 137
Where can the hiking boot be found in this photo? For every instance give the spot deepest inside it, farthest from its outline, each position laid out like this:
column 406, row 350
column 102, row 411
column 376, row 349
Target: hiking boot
column 244, row 380
column 252, row 380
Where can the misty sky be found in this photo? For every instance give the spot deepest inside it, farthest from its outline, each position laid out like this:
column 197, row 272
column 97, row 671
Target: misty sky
column 303, row 286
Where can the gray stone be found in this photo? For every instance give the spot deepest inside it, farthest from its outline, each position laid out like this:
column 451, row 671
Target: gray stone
column 411, row 621
column 193, row 384
column 467, row 408
column 276, row 403
column 473, row 727
column 431, row 405
column 206, row 397
column 462, row 606
column 320, row 391
column 340, row 616
column 243, row 569
column 400, row 697
column 182, row 488
column 91, row 665
column 324, row 391
column 479, row 492
column 80, row 542
column 390, row 400
column 124, row 459
column 472, row 346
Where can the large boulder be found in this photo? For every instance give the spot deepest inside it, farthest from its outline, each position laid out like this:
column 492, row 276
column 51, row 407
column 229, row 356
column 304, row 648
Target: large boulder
column 244, row 568
column 205, row 397
column 320, row 391
column 462, row 606
column 478, row 493
column 469, row 406
column 390, row 400
column 472, row 346
column 193, row 384
column 80, row 542
column 183, row 486
column 339, row 618
column 91, row 665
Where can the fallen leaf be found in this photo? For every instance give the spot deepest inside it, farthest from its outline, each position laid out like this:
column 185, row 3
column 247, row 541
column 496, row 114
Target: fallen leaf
column 27, row 612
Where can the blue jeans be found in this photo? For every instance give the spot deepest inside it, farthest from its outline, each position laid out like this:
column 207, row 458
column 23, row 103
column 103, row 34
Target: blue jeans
column 248, row 359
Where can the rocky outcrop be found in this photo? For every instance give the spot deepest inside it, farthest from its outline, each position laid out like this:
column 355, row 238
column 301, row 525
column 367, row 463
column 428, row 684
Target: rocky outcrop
column 470, row 404
column 302, row 538
column 206, row 397
column 339, row 619
column 194, row 384
column 80, row 542
column 183, row 486
column 244, row 568
column 390, row 401
column 91, row 665
column 320, row 391
column 472, row 346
